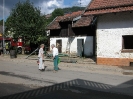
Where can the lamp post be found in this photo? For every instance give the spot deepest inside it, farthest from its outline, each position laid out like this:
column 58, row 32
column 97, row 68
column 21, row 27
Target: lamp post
column 3, row 30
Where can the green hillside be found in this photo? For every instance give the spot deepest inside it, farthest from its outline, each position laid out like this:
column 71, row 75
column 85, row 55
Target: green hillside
column 73, row 9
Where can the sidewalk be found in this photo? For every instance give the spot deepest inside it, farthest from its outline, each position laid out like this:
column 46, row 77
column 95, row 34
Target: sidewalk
column 84, row 67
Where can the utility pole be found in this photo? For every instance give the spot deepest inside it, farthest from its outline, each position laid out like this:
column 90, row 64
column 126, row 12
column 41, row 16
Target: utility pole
column 3, row 29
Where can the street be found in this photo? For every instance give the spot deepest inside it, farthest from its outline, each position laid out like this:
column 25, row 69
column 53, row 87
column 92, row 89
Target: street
column 17, row 77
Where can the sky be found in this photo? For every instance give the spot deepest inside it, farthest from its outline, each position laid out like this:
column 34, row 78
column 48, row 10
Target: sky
column 47, row 6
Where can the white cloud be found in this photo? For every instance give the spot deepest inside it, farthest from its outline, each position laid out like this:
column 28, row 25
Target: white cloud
column 49, row 6
column 6, row 11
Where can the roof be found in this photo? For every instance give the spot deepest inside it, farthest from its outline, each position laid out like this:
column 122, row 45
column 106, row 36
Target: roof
column 84, row 21
column 54, row 24
column 108, row 6
column 69, row 17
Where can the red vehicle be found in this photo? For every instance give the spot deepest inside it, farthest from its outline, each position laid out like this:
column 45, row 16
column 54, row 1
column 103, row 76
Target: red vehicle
column 19, row 44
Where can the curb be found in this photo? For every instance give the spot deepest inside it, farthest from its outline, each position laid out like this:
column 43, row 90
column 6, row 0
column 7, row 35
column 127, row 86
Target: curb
column 127, row 72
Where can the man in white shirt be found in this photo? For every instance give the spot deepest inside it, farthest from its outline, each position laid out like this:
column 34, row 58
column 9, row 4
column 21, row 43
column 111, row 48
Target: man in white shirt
column 55, row 57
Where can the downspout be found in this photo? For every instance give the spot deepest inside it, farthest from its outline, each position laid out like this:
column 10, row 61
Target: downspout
column 94, row 20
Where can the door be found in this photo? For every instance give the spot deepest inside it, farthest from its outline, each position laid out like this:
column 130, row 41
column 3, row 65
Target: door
column 59, row 45
column 80, row 47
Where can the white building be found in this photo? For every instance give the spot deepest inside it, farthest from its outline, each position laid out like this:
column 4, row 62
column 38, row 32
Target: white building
column 114, row 31
column 73, row 34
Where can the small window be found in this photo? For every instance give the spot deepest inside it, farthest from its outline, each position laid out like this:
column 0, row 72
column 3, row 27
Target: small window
column 127, row 43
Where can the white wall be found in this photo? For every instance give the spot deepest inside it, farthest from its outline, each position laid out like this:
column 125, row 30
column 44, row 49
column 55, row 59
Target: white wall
column 110, row 28
column 88, row 44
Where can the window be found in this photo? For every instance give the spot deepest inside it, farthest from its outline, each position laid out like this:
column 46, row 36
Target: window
column 127, row 43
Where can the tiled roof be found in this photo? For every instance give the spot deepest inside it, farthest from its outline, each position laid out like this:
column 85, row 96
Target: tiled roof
column 108, row 6
column 67, row 17
column 70, row 16
column 54, row 24
column 84, row 21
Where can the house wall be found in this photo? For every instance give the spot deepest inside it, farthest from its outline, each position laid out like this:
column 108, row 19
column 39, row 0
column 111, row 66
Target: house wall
column 88, row 44
column 110, row 28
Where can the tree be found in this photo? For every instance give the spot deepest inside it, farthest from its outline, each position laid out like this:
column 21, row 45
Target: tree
column 26, row 21
column 55, row 13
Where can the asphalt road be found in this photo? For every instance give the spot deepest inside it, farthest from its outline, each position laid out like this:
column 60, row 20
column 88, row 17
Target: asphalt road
column 23, row 79
column 8, row 88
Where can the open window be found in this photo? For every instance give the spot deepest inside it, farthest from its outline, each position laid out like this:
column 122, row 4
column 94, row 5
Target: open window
column 127, row 43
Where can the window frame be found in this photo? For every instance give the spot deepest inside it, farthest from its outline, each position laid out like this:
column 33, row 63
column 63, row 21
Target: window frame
column 123, row 48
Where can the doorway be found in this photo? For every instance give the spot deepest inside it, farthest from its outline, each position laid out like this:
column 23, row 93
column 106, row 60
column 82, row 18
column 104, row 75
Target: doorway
column 59, row 45
column 80, row 47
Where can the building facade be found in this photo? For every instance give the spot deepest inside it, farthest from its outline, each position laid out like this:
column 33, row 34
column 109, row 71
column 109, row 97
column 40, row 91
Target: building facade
column 73, row 34
column 114, row 31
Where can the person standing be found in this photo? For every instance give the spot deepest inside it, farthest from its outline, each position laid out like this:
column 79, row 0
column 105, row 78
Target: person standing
column 41, row 57
column 7, row 47
column 55, row 57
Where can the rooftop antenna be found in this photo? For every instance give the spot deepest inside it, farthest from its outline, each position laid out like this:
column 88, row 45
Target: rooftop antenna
column 80, row 4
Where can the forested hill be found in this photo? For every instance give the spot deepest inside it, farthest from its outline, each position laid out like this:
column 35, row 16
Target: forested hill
column 61, row 12
column 72, row 9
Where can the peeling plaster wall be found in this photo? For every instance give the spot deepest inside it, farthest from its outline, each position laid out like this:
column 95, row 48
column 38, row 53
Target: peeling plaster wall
column 88, row 44
column 110, row 28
